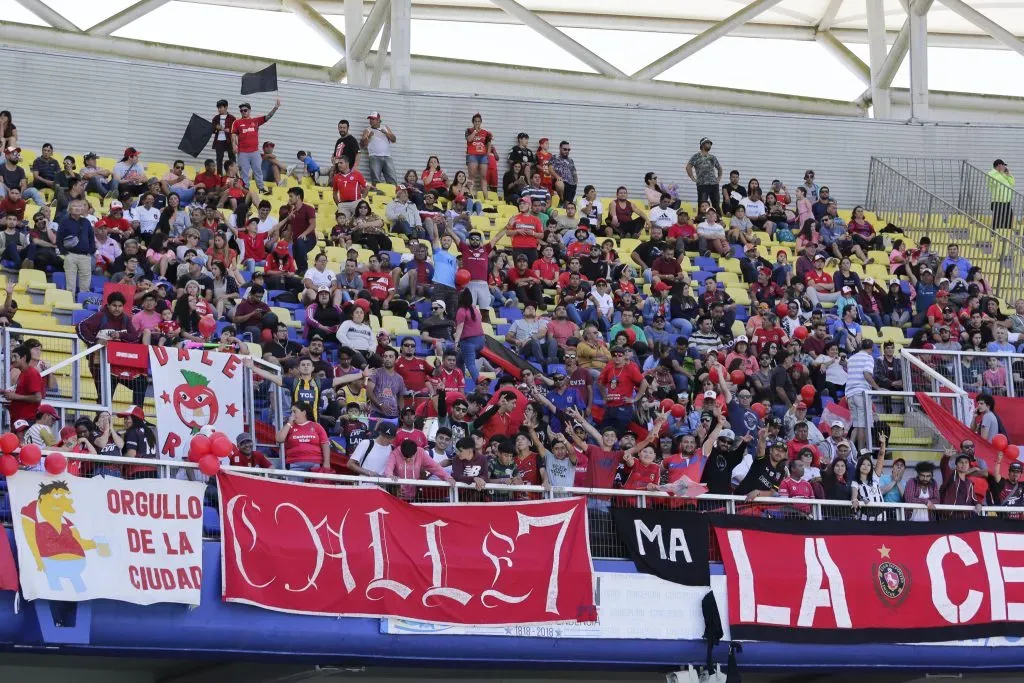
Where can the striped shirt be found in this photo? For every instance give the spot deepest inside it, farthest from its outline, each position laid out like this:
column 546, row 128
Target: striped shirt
column 705, row 341
column 856, row 366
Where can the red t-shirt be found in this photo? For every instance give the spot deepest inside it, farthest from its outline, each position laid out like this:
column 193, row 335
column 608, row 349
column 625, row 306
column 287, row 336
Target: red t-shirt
column 8, row 205
column 255, row 246
column 378, row 283
column 793, row 447
column 304, row 441
column 302, row 219
column 813, row 277
column 248, row 132
column 414, row 372
column 349, row 186
column 207, row 180
column 257, row 459
column 687, row 232
column 640, row 475
column 513, row 276
column 50, row 541
column 414, row 435
column 577, row 249
column 29, row 382
column 620, row 383
column 601, row 467
column 525, row 221
column 548, row 269
column 111, row 223
column 475, row 261
column 763, row 337
column 477, row 143
column 452, row 381
column 582, row 465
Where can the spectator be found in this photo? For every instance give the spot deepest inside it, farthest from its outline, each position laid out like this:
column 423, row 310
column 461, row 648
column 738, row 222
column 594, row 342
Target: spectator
column 8, row 131
column 564, row 169
column 245, row 454
column 986, row 423
column 624, row 219
column 245, row 142
column 346, row 146
column 1001, row 185
column 306, row 444
column 223, row 125
column 252, row 313
column 528, row 336
column 77, row 241
column 705, row 171
column 922, row 490
column 478, row 142
column 377, row 139
column 404, row 215
column 349, row 186
column 25, row 398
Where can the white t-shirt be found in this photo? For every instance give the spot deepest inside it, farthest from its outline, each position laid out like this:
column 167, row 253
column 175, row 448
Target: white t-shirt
column 371, row 455
column 379, row 145
column 604, row 302
column 266, row 225
column 355, row 336
column 753, row 209
column 663, row 217
column 711, row 230
column 324, row 278
column 147, row 218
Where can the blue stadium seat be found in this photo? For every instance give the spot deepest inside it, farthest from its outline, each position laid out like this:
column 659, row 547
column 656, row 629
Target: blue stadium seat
column 707, row 263
column 211, row 520
column 510, row 313
column 79, row 316
column 97, row 283
column 60, row 280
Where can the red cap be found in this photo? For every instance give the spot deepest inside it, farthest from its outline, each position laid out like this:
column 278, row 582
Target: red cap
column 136, row 411
column 130, row 152
column 281, row 248
column 46, row 409
column 68, row 432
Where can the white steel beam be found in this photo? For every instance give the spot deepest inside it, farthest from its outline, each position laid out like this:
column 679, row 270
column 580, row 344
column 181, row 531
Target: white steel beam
column 48, row 14
column 985, row 24
column 876, row 32
column 528, row 18
column 379, row 14
column 829, row 17
column 699, row 42
column 894, row 58
column 125, row 17
column 382, row 52
column 918, row 19
column 315, row 21
column 845, row 56
column 401, row 44
column 353, row 25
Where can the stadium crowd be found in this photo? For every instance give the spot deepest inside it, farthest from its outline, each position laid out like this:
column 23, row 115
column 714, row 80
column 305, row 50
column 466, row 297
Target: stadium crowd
column 549, row 337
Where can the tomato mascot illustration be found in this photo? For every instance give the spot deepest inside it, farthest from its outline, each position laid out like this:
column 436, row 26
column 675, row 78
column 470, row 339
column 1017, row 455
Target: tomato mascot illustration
column 194, row 401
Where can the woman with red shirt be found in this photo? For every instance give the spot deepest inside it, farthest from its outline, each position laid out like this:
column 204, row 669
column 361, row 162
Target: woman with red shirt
column 235, row 187
column 306, row 444
column 279, row 273
column 434, row 178
column 478, row 144
column 543, row 155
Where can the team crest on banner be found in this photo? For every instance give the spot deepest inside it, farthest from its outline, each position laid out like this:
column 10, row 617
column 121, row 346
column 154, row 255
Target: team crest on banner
column 194, row 389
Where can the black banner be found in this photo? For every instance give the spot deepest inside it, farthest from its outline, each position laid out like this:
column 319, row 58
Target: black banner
column 670, row 544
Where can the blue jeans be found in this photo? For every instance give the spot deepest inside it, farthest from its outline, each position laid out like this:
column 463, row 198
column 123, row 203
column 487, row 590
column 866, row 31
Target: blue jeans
column 589, row 314
column 97, row 185
column 684, row 326
column 251, row 164
column 543, row 352
column 403, row 226
column 382, row 170
column 469, row 349
column 300, row 251
column 71, row 570
column 503, row 298
column 618, row 418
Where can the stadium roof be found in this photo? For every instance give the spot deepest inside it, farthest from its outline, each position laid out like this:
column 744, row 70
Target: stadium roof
column 318, row 39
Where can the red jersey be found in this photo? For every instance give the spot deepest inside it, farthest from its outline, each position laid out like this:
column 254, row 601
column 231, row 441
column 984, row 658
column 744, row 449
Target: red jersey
column 620, row 383
column 563, row 279
column 687, row 232
column 475, row 260
column 678, row 465
column 601, row 467
column 452, row 381
column 304, row 443
column 414, row 372
column 349, row 187
column 257, row 459
column 529, row 468
column 248, row 132
column 762, row 337
column 207, row 180
column 255, row 246
column 814, row 278
column 378, row 283
column 478, row 142
column 548, row 270
column 794, row 447
column 513, row 276
column 640, row 475
column 414, row 435
column 577, row 249
column 29, row 382
column 114, row 224
column 525, row 221
column 790, row 488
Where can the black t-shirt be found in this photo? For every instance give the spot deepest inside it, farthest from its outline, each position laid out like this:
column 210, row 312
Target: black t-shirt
column 780, row 378
column 347, row 147
column 717, row 474
column 205, row 282
column 135, row 440
column 279, row 350
column 438, row 327
column 12, row 178
column 762, row 476
column 594, row 270
column 722, row 328
column 728, row 203
column 650, row 250
column 523, row 155
column 46, row 168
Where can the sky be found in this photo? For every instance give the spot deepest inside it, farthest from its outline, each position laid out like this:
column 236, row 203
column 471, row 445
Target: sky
column 785, row 67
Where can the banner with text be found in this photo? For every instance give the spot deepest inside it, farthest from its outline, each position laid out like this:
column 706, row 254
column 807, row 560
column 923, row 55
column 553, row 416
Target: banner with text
column 669, row 544
column 194, row 389
column 138, row 541
column 843, row 582
column 352, row 551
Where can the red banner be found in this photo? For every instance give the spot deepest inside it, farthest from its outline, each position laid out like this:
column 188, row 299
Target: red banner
column 348, row 551
column 8, row 571
column 861, row 582
column 955, row 432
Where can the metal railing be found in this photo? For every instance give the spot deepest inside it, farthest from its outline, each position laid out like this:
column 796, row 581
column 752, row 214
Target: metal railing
column 998, row 374
column 898, row 198
column 604, row 541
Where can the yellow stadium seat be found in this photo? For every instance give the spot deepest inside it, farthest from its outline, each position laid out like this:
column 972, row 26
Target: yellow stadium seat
column 740, row 295
column 480, row 222
column 60, row 300
column 32, row 280
column 728, row 278
column 731, row 265
column 395, row 325
column 285, row 316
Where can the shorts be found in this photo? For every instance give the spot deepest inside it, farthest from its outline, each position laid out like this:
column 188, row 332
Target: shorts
column 481, row 294
column 845, row 246
column 268, row 171
column 860, row 409
column 480, row 159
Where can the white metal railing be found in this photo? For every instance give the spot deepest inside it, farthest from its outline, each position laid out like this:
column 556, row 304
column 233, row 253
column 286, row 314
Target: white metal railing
column 949, row 365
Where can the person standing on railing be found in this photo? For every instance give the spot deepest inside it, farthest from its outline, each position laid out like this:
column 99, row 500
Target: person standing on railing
column 1001, row 184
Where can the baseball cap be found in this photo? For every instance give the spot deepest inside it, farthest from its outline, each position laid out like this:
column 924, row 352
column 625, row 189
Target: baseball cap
column 847, row 290
column 222, row 103
column 839, row 423
column 384, row 333
column 316, row 336
column 1016, row 467
column 819, row 257
column 257, row 289
column 136, row 411
column 21, row 425
column 243, row 438
column 12, row 150
column 705, row 139
column 46, row 409
column 323, row 288
column 800, row 405
column 115, row 205
column 386, row 429
column 374, row 115
column 894, row 281
column 710, row 394
column 68, row 433
column 268, row 143
column 131, row 151
column 741, row 338
column 727, row 434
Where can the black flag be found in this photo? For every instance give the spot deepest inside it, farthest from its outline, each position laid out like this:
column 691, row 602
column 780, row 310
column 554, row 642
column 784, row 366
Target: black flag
column 197, row 135
column 670, row 544
column 261, row 81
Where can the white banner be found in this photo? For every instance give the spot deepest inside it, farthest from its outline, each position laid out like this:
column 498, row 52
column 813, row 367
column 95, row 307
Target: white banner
column 138, row 541
column 629, row 606
column 194, row 389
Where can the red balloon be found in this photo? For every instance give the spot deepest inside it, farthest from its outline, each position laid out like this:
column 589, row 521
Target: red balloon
column 713, row 375
column 56, row 463
column 999, row 442
column 30, row 455
column 808, row 393
column 221, row 447
column 759, row 409
column 9, row 442
column 678, row 411
column 462, row 277
column 209, row 465
column 267, row 335
column 782, row 309
column 800, row 333
column 8, row 466
column 738, row 377
column 198, row 447
column 666, row 404
column 1012, row 451
column 207, row 326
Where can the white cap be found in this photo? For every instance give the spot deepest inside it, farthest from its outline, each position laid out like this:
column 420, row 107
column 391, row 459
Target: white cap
column 441, row 304
column 727, row 434
column 710, row 394
column 839, row 423
column 741, row 338
column 116, row 205
column 374, row 115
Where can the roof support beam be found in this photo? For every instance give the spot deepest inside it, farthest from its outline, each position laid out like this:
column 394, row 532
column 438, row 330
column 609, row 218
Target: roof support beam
column 919, row 59
column 125, row 17
column 845, row 56
column 375, row 20
column 401, row 44
column 880, row 99
column 47, row 14
column 528, row 18
column 829, row 17
column 382, row 52
column 894, row 58
column 985, row 24
column 315, row 21
column 699, row 42
column 355, row 66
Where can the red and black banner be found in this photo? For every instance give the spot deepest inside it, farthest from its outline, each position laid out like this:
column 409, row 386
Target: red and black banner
column 859, row 582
